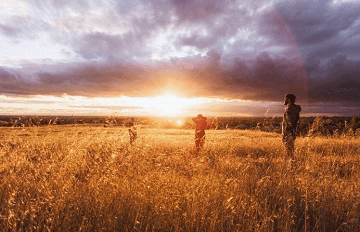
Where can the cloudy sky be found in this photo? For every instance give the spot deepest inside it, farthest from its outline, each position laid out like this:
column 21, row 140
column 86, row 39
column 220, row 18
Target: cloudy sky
column 172, row 57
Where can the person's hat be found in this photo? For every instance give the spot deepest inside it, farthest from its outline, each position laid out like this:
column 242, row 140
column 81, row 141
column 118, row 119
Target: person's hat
column 291, row 96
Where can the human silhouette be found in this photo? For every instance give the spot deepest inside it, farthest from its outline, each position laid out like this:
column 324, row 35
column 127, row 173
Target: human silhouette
column 290, row 125
column 215, row 124
column 132, row 131
column 200, row 123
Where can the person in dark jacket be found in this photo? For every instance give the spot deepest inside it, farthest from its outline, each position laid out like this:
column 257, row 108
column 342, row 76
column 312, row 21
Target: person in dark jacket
column 290, row 124
column 200, row 122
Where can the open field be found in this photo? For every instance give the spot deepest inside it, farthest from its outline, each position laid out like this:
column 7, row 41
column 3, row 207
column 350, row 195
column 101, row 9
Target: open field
column 83, row 178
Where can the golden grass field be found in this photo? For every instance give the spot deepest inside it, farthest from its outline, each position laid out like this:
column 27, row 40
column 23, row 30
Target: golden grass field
column 83, row 178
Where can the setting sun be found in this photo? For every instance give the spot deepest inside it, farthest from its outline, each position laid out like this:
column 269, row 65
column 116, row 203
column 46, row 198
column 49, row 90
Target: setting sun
column 169, row 105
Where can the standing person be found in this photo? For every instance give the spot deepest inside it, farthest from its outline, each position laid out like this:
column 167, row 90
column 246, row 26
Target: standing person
column 215, row 124
column 132, row 131
column 290, row 124
column 200, row 122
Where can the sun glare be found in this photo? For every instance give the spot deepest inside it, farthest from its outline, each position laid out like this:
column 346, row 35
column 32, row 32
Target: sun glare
column 169, row 105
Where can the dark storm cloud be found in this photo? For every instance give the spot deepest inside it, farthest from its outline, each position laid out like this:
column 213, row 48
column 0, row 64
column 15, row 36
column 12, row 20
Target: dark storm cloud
column 15, row 82
column 241, row 50
column 210, row 24
column 326, row 35
column 336, row 80
column 323, row 29
column 254, row 79
column 272, row 26
column 262, row 79
column 142, row 21
column 199, row 10
column 134, row 24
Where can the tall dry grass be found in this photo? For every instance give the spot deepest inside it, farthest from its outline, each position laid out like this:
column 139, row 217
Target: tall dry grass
column 62, row 178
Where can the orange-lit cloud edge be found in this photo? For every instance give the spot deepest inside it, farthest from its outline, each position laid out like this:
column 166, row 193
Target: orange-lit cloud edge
column 166, row 105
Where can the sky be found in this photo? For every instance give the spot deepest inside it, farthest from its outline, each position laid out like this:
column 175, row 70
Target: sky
column 179, row 57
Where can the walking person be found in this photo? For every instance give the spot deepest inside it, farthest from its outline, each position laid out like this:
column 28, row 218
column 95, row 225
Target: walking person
column 132, row 131
column 289, row 125
column 200, row 123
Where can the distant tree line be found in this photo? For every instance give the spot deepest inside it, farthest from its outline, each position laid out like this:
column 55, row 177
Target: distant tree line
column 308, row 126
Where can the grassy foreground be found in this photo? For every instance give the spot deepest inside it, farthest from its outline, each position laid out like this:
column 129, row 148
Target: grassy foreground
column 61, row 178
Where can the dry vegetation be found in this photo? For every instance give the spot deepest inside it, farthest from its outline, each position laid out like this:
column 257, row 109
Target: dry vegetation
column 66, row 178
